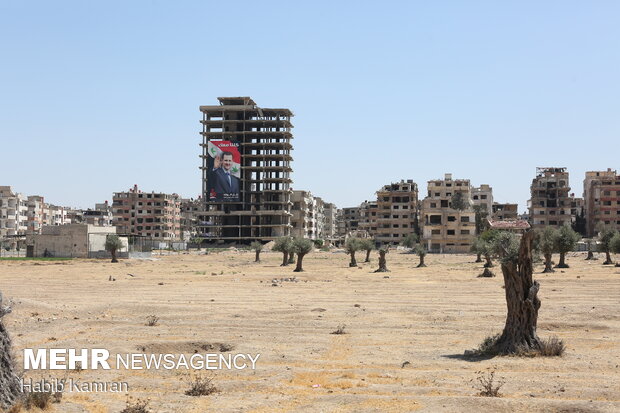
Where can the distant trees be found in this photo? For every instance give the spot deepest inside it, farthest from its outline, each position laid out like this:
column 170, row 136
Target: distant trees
column 566, row 240
column 421, row 252
column 409, row 241
column 351, row 247
column 482, row 246
column 112, row 245
column 481, row 215
column 459, row 202
column 614, row 245
column 257, row 246
column 367, row 245
column 382, row 261
column 547, row 240
column 285, row 246
column 605, row 236
column 301, row 247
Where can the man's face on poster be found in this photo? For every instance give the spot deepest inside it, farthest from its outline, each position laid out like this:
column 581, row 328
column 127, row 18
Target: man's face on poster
column 227, row 161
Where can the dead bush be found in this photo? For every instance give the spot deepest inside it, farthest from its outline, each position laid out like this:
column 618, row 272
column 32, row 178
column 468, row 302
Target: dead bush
column 551, row 347
column 152, row 320
column 339, row 330
column 487, row 384
column 136, row 406
column 201, row 386
column 40, row 400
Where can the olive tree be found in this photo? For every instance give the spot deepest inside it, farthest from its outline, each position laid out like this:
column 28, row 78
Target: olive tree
column 421, row 253
column 112, row 245
column 351, row 247
column 301, row 247
column 605, row 236
column 285, row 246
column 547, row 243
column 409, row 241
column 566, row 241
column 614, row 245
column 257, row 246
column 382, row 261
column 367, row 245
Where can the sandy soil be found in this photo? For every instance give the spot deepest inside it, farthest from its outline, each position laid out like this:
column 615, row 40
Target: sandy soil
column 424, row 316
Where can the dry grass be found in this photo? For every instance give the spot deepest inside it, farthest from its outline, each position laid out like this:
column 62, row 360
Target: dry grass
column 201, row 386
column 339, row 329
column 152, row 320
column 136, row 406
column 487, row 384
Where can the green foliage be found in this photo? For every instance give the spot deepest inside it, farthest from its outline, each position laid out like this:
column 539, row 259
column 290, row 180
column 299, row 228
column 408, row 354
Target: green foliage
column 489, row 235
column 481, row 216
column 256, row 246
column 283, row 244
column 353, row 245
column 420, row 251
column 547, row 240
column 614, row 243
column 113, row 243
column 480, row 246
column 566, row 239
column 302, row 246
column 196, row 240
column 318, row 243
column 606, row 234
column 458, row 202
column 367, row 244
column 409, row 241
column 506, row 246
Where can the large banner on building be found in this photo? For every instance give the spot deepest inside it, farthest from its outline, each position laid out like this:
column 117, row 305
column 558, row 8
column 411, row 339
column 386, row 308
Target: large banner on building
column 224, row 171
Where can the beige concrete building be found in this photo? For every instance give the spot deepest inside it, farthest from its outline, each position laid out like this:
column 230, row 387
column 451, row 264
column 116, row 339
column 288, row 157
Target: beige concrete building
column 483, row 196
column 13, row 217
column 504, row 211
column 348, row 219
column 102, row 215
column 368, row 217
column 330, row 232
column 445, row 229
column 191, row 210
column 397, row 212
column 72, row 241
column 309, row 219
column 601, row 192
column 550, row 203
column 147, row 214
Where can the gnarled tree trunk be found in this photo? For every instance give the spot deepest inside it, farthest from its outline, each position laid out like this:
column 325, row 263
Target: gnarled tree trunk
column 522, row 301
column 382, row 262
column 291, row 258
column 421, row 264
column 489, row 263
column 548, row 266
column 284, row 259
column 367, row 255
column 299, row 268
column 590, row 255
column 478, row 257
column 257, row 259
column 562, row 263
column 608, row 260
column 353, row 263
column 9, row 382
column 113, row 253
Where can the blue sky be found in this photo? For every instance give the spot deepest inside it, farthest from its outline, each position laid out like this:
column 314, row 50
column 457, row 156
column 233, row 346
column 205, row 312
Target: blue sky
column 98, row 96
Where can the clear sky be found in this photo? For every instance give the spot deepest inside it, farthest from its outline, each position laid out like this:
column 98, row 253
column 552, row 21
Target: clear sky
column 98, row 96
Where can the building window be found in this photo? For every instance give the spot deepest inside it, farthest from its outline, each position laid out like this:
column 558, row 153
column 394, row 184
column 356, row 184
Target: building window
column 451, row 218
column 464, row 219
column 451, row 232
column 464, row 232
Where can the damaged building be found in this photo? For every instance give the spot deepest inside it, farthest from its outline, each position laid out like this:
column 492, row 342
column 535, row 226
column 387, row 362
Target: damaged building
column 550, row 202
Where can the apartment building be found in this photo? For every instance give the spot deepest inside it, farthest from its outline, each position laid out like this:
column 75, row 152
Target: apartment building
column 397, row 212
column 37, row 214
column 308, row 216
column 504, row 211
column 483, row 196
column 246, row 166
column 601, row 192
column 550, row 203
column 191, row 209
column 368, row 217
column 102, row 215
column 13, row 216
column 445, row 228
column 330, row 229
column 147, row 214
column 348, row 220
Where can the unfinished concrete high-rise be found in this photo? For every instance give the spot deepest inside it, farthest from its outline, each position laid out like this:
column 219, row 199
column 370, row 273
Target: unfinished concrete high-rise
column 550, row 203
column 601, row 192
column 257, row 203
column 397, row 212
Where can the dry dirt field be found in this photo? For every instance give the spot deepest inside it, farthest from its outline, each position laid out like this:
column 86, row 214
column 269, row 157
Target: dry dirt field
column 424, row 316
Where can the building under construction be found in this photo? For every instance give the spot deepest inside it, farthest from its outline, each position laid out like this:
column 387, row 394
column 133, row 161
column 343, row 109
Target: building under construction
column 246, row 166
column 550, row 203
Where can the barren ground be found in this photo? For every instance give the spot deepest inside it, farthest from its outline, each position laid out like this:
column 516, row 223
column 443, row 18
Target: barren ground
column 424, row 316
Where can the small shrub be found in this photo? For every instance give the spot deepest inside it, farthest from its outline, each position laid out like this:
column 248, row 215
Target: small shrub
column 339, row 330
column 152, row 320
column 201, row 386
column 487, row 347
column 487, row 384
column 41, row 400
column 551, row 347
column 137, row 406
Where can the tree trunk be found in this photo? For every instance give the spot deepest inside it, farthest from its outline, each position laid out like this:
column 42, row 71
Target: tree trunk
column 382, row 262
column 284, row 259
column 489, row 263
column 367, row 256
column 487, row 273
column 298, row 268
column 257, row 256
column 522, row 302
column 421, row 264
column 478, row 257
column 291, row 258
column 9, row 382
column 608, row 260
column 353, row 263
column 548, row 266
column 113, row 253
column 590, row 255
column 562, row 263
